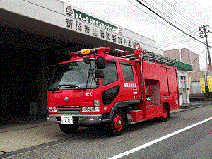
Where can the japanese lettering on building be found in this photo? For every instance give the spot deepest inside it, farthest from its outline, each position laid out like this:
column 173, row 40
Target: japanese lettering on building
column 86, row 24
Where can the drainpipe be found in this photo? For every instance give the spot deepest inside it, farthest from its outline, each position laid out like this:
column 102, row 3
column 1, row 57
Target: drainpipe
column 180, row 55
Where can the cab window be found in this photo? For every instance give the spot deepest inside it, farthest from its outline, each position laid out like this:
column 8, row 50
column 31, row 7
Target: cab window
column 110, row 73
column 128, row 72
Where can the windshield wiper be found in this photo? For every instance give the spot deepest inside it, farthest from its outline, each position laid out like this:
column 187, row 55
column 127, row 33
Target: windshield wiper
column 54, row 89
column 69, row 86
column 66, row 86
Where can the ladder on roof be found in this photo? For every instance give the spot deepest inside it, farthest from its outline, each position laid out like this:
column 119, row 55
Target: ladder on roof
column 148, row 56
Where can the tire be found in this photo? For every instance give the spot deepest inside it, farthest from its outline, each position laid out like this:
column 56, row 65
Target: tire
column 68, row 129
column 118, row 123
column 166, row 113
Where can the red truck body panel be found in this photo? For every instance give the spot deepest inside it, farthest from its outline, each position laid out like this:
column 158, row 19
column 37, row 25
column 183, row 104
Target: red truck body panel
column 145, row 92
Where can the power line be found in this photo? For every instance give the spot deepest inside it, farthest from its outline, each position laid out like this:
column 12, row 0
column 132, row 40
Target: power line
column 156, row 20
column 166, row 25
column 186, row 11
column 170, row 14
column 184, row 16
column 181, row 17
column 166, row 7
column 146, row 13
column 165, row 14
column 170, row 23
column 179, row 41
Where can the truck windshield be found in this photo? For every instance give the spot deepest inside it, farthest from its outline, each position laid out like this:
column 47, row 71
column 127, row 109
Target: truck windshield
column 73, row 75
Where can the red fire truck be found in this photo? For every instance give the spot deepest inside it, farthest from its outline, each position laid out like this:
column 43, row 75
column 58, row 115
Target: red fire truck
column 116, row 88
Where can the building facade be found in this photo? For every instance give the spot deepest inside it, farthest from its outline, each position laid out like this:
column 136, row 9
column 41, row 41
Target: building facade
column 184, row 56
column 192, row 79
column 38, row 34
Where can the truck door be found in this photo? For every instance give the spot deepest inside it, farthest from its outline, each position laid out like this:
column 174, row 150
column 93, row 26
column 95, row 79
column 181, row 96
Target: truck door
column 152, row 91
column 130, row 89
column 110, row 85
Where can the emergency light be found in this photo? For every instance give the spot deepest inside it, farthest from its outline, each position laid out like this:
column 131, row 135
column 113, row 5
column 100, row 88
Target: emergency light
column 85, row 51
column 95, row 50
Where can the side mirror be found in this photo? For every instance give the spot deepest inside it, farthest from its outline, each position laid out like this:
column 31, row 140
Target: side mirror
column 100, row 62
column 99, row 74
column 86, row 60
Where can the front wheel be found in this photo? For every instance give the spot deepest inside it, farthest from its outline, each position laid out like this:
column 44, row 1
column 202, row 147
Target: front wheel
column 118, row 123
column 68, row 128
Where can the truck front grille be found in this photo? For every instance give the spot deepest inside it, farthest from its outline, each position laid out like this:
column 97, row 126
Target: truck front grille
column 68, row 111
column 68, row 108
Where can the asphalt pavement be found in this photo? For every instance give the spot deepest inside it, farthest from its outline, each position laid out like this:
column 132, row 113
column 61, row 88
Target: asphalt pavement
column 193, row 143
column 45, row 140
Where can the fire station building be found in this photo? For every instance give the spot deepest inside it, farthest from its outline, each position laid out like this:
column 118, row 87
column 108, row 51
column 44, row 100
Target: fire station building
column 36, row 35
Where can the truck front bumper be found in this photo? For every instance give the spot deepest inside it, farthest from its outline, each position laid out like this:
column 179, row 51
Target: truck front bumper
column 82, row 119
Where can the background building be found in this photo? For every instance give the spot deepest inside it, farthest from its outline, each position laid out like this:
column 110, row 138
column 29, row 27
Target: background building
column 186, row 56
column 192, row 87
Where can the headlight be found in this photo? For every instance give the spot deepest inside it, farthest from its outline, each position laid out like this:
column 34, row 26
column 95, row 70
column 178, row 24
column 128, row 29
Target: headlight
column 96, row 103
column 52, row 109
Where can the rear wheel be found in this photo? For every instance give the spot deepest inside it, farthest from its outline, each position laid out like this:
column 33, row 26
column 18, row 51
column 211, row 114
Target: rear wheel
column 68, row 128
column 166, row 113
column 118, row 123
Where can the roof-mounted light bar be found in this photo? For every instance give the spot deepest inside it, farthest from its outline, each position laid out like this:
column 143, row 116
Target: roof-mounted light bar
column 87, row 51
column 92, row 51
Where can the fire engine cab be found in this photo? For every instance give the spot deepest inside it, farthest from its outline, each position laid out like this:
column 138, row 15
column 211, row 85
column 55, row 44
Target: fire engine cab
column 116, row 88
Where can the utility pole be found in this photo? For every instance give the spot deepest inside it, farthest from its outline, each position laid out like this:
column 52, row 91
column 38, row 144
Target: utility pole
column 204, row 34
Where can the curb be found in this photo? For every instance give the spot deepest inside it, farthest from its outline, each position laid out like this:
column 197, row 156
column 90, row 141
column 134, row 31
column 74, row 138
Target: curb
column 28, row 126
column 194, row 105
column 189, row 106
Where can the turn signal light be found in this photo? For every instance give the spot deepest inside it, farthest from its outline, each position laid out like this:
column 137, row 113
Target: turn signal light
column 52, row 109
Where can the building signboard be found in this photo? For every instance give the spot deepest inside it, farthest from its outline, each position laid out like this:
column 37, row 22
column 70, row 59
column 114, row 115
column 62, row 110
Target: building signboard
column 86, row 24
column 209, row 79
column 202, row 82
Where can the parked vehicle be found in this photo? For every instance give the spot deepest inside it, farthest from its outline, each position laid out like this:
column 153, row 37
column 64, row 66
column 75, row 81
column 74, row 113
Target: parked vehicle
column 99, row 86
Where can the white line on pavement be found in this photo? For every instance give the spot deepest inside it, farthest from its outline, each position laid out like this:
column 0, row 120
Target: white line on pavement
column 158, row 140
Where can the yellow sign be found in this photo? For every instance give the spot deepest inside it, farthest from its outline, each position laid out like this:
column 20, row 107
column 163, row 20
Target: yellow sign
column 209, row 83
column 189, row 82
column 202, row 82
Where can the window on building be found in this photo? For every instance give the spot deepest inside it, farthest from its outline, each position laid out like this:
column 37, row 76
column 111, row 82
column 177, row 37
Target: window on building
column 182, row 79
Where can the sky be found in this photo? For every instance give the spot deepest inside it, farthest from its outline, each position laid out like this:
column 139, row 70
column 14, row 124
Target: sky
column 187, row 15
